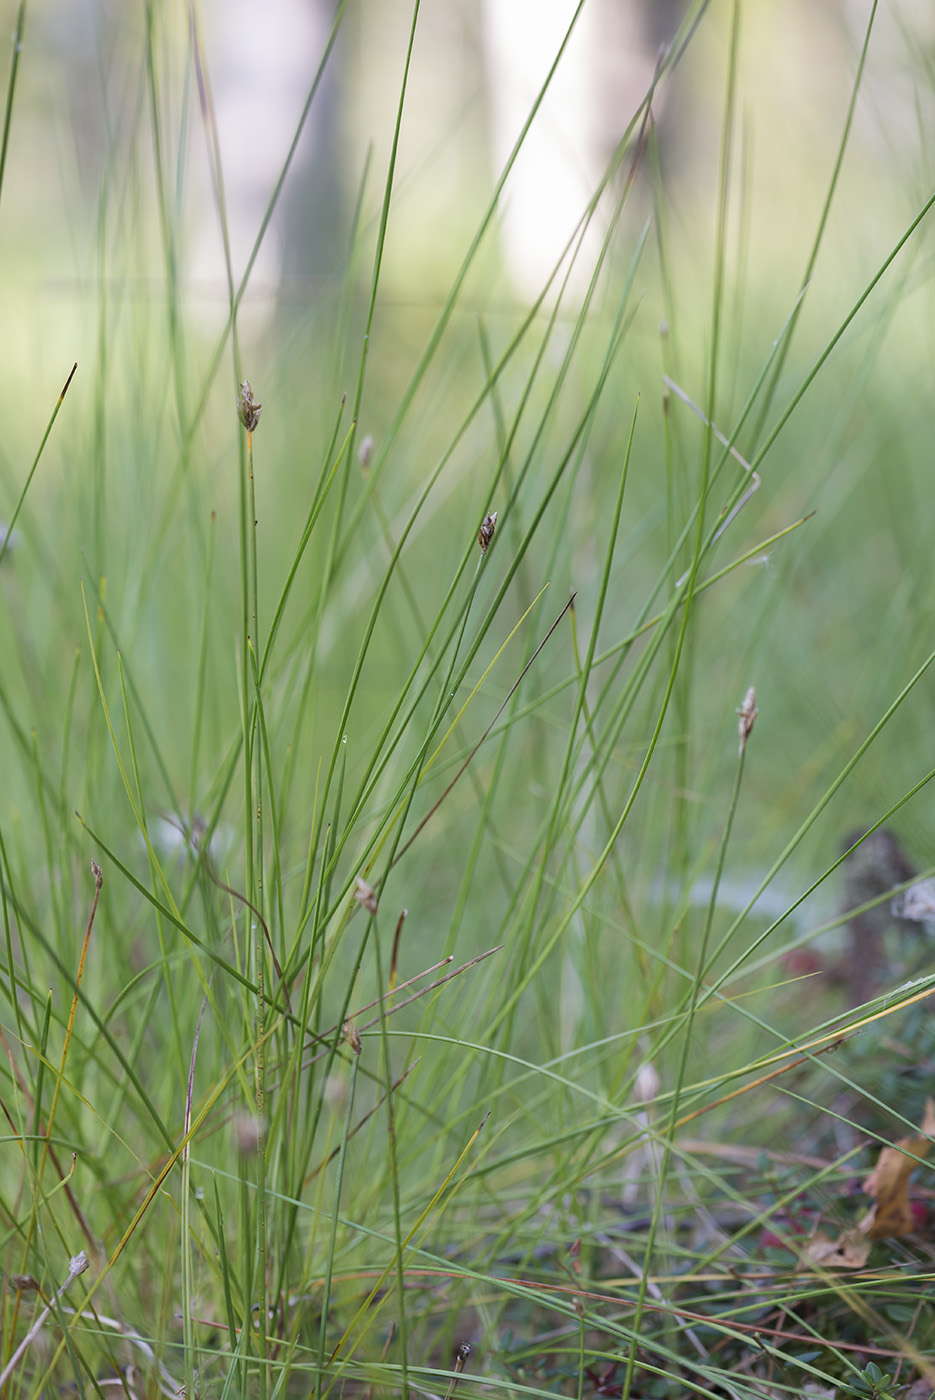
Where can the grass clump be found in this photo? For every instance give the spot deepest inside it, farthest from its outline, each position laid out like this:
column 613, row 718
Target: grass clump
column 406, row 912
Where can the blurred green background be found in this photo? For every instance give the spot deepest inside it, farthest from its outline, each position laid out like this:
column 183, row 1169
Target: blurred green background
column 829, row 624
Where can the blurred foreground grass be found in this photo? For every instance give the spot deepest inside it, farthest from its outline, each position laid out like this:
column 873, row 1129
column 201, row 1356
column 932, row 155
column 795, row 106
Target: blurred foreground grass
column 283, row 726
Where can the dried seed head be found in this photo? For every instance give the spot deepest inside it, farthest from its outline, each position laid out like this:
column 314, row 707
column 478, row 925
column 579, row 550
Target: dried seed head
column 352, row 1036
column 77, row 1264
column 462, row 1354
column 247, row 407
column 366, row 895
column 485, row 533
column 747, row 718
column 98, row 874
column 365, row 452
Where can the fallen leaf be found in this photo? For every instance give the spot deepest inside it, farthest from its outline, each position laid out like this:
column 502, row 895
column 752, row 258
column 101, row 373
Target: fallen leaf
column 892, row 1214
column 850, row 1251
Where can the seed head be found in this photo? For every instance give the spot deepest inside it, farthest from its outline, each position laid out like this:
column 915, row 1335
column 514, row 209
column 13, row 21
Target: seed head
column 352, row 1035
column 485, row 533
column 247, row 407
column 366, row 895
column 747, row 718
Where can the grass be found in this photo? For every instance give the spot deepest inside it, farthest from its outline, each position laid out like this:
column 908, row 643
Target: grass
column 424, row 1024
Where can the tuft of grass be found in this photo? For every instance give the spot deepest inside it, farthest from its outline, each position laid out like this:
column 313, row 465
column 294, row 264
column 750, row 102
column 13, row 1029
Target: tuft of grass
column 398, row 981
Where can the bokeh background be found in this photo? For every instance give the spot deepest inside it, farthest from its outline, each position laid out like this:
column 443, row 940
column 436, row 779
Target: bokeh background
column 828, row 625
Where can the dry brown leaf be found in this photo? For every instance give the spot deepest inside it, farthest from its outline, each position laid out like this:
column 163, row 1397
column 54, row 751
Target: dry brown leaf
column 849, row 1251
column 888, row 1222
column 892, row 1214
